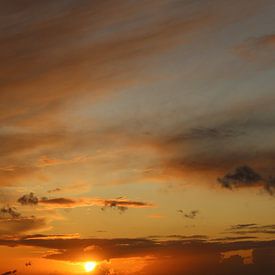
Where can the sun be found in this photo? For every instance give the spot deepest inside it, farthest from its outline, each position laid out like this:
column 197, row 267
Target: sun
column 89, row 266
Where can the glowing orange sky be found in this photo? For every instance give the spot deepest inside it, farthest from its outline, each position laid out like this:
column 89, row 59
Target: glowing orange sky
column 137, row 134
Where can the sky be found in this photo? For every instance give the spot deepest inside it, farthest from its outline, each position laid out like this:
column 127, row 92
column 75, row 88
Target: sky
column 138, row 136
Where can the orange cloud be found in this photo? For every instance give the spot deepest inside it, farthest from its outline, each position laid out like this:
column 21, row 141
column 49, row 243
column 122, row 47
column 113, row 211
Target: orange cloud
column 119, row 203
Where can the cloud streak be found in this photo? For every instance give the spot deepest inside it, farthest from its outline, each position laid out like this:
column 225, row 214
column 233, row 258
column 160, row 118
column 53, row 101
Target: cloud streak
column 244, row 229
column 121, row 204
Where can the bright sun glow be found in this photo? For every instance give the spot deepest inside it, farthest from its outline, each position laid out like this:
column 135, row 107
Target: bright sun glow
column 89, row 266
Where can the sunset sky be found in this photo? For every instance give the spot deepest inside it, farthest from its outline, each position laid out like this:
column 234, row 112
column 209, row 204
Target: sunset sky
column 137, row 135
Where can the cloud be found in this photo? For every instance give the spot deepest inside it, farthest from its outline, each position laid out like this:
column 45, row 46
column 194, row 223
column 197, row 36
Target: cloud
column 236, row 238
column 22, row 225
column 205, row 133
column 9, row 272
column 264, row 256
column 121, row 204
column 10, row 211
column 46, row 161
column 13, row 223
column 81, row 49
column 243, row 226
column 169, row 255
column 189, row 215
column 219, row 141
column 245, row 176
column 244, row 229
column 102, row 52
column 60, row 201
column 179, row 237
column 50, row 236
column 258, row 49
column 17, row 154
column 29, row 199
column 55, row 190
column 242, row 176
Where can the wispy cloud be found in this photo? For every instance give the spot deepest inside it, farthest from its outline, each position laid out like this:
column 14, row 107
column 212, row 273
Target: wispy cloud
column 121, row 204
column 244, row 229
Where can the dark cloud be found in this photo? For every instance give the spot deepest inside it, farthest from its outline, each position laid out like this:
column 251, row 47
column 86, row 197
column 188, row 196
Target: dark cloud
column 245, row 176
column 189, row 215
column 122, row 204
column 58, row 201
column 242, row 176
column 9, row 272
column 220, row 141
column 252, row 228
column 10, row 211
column 192, row 214
column 235, row 260
column 29, row 199
column 235, row 238
column 179, row 237
column 179, row 256
column 264, row 256
column 270, row 185
column 243, row 226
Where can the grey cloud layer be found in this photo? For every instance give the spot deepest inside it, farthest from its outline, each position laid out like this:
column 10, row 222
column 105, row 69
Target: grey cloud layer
column 84, row 48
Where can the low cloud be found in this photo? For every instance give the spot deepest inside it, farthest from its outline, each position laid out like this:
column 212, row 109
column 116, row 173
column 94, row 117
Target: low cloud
column 174, row 256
